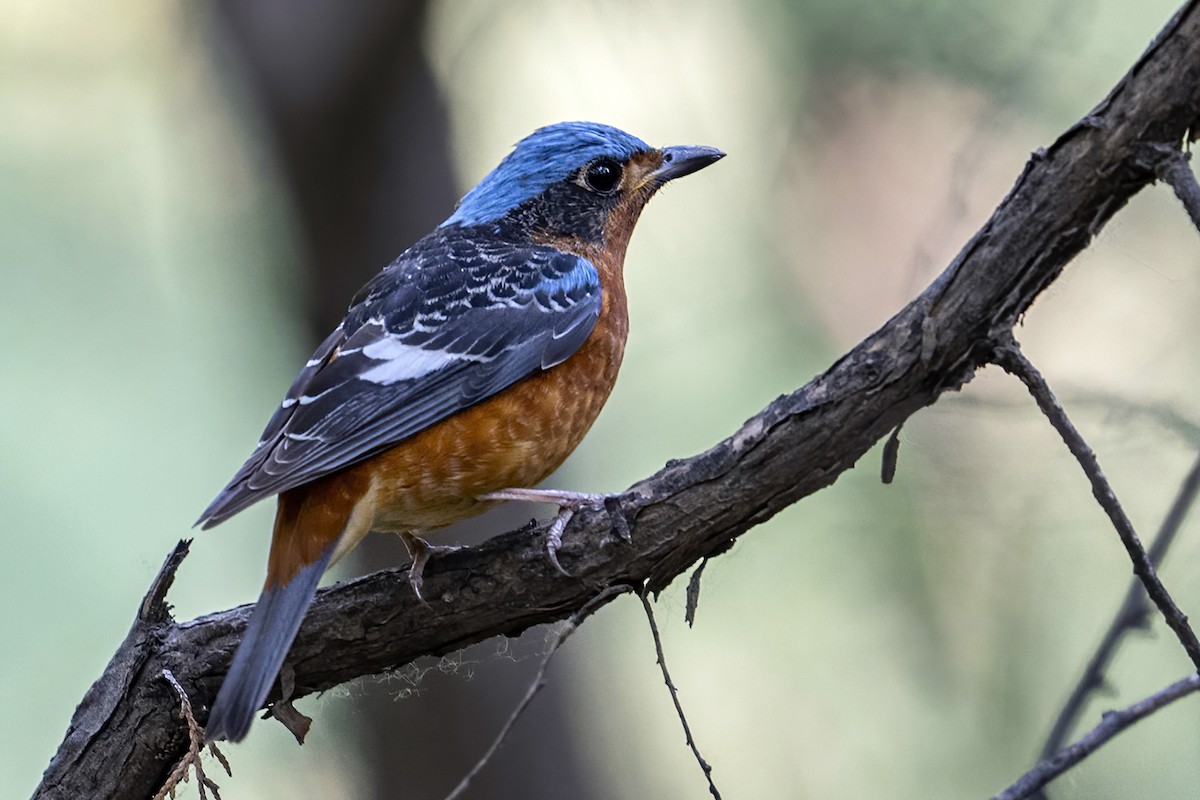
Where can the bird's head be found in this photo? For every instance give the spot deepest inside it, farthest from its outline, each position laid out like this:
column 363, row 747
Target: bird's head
column 576, row 180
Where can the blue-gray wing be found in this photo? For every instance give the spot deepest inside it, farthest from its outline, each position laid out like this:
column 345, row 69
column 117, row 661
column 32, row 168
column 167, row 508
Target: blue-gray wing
column 454, row 320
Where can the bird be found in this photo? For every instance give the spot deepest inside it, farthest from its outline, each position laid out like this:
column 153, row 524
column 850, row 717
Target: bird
column 462, row 375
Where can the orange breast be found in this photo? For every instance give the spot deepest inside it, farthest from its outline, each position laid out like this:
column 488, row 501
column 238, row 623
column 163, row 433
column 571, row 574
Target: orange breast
column 514, row 439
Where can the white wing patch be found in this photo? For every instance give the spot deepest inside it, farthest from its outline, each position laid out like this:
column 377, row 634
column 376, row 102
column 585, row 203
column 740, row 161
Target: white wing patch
column 403, row 362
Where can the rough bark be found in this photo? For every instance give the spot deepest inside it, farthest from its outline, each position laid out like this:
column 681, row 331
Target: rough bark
column 127, row 732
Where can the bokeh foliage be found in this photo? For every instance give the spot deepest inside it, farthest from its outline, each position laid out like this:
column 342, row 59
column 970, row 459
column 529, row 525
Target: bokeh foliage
column 913, row 640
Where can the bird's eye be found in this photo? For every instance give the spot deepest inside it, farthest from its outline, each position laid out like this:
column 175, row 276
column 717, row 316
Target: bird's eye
column 602, row 175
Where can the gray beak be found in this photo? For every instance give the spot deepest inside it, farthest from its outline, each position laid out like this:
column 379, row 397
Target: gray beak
column 683, row 160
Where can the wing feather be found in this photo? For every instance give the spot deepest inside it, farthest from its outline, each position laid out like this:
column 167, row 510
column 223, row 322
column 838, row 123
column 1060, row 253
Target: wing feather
column 456, row 319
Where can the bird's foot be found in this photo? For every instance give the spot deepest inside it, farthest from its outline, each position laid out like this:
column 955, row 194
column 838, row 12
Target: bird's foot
column 568, row 504
column 420, row 551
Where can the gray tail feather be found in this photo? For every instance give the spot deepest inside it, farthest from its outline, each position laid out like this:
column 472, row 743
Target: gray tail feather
column 273, row 625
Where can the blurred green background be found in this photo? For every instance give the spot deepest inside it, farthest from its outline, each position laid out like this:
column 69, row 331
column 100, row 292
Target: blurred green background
column 190, row 193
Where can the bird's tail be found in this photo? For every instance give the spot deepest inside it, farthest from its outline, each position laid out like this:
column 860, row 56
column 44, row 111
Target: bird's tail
column 314, row 524
column 273, row 626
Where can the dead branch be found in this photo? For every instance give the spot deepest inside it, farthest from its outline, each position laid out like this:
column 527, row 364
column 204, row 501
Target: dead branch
column 1010, row 357
column 537, row 684
column 126, row 734
column 1134, row 614
column 1111, row 723
column 661, row 659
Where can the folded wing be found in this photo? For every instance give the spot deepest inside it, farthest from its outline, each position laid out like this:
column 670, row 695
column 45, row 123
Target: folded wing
column 451, row 322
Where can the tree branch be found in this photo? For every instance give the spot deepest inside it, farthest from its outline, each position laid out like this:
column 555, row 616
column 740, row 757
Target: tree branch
column 1171, row 166
column 126, row 734
column 1010, row 357
column 538, row 683
column 1134, row 614
column 661, row 658
column 1111, row 723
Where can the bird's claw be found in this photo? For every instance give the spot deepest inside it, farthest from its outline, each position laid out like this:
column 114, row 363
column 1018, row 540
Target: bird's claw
column 554, row 538
column 569, row 503
column 420, row 551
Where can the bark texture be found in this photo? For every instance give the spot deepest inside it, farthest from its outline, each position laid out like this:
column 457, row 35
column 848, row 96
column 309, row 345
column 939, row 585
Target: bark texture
column 127, row 732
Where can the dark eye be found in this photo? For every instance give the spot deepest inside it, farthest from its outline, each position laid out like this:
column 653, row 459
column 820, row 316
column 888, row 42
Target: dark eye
column 602, row 175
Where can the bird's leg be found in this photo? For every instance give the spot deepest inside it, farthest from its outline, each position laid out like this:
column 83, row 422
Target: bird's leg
column 568, row 503
column 420, row 551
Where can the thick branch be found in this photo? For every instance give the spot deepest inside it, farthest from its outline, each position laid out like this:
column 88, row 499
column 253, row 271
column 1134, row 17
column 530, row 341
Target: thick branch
column 692, row 508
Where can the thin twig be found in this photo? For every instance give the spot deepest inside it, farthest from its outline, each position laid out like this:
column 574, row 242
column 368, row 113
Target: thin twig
column 687, row 731
column 1172, row 167
column 1008, row 355
column 538, row 683
column 1111, row 723
column 1132, row 615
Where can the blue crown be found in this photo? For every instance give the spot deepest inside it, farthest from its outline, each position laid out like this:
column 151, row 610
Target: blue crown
column 540, row 160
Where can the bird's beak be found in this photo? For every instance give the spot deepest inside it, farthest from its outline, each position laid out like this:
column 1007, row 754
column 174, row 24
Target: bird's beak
column 682, row 160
